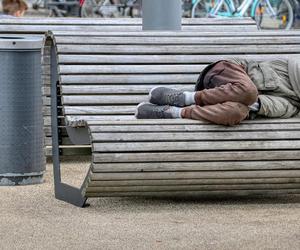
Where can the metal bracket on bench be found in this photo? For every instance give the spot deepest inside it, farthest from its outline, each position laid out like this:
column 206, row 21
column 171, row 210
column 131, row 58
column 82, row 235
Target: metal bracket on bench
column 63, row 191
column 79, row 136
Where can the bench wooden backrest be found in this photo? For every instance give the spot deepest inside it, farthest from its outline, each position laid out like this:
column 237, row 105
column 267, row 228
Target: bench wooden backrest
column 38, row 25
column 105, row 76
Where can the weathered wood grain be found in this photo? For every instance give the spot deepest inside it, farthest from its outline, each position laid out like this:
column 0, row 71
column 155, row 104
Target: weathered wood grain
column 175, row 49
column 219, row 193
column 243, row 40
column 129, row 79
column 195, row 166
column 222, row 156
column 103, row 99
column 197, row 175
column 194, row 136
column 162, row 59
column 118, row 89
column 130, row 69
column 185, row 33
column 270, row 121
column 197, row 146
column 191, row 188
column 192, row 127
column 179, row 182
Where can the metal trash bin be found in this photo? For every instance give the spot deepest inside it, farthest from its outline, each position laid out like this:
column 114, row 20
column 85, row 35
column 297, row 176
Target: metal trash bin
column 22, row 159
column 162, row 14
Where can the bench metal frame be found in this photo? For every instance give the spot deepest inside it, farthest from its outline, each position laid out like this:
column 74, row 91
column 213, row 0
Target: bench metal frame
column 63, row 191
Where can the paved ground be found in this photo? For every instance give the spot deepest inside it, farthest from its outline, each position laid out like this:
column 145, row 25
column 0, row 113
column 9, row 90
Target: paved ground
column 31, row 218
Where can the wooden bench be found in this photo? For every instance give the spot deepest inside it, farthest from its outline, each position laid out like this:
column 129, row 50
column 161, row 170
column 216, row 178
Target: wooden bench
column 82, row 26
column 100, row 80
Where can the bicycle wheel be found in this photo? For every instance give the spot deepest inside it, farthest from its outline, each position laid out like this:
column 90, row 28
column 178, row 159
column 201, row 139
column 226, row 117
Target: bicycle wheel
column 90, row 8
column 274, row 14
column 211, row 8
column 99, row 8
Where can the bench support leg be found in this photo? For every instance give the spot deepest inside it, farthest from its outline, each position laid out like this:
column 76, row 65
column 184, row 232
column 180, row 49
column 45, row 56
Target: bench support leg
column 63, row 191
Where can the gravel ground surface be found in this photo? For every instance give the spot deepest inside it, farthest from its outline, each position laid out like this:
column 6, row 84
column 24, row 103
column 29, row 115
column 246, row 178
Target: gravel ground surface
column 31, row 218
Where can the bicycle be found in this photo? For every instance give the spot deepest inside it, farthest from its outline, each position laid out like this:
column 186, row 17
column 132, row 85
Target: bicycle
column 201, row 8
column 58, row 8
column 123, row 8
column 111, row 8
column 268, row 14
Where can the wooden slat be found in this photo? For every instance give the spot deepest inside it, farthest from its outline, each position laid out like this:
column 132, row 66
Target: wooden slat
column 99, row 110
column 130, row 69
column 46, row 101
column 84, row 118
column 94, row 110
column 194, row 128
column 126, row 119
column 46, row 110
column 197, row 175
column 162, row 59
column 195, row 166
column 195, row 156
column 46, row 90
column 183, row 33
column 191, row 188
column 196, row 146
column 180, row 182
column 245, row 40
column 104, row 99
column 117, row 89
column 194, row 136
column 190, row 122
column 129, row 79
column 218, row 193
column 175, row 49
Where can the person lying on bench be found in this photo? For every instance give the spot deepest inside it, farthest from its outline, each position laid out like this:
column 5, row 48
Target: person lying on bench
column 229, row 91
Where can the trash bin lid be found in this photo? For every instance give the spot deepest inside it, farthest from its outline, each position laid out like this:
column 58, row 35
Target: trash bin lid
column 8, row 42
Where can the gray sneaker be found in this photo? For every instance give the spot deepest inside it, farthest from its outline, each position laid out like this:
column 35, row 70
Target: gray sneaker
column 167, row 96
column 146, row 110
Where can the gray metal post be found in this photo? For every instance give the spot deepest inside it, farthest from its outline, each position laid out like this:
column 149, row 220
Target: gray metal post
column 162, row 14
column 63, row 191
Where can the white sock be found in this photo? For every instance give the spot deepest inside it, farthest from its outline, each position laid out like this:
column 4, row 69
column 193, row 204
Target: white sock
column 175, row 111
column 189, row 97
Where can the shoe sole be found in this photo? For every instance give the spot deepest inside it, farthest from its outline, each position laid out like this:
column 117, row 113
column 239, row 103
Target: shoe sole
column 150, row 93
column 137, row 109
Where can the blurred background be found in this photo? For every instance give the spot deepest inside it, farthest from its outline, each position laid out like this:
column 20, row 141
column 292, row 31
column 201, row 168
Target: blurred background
column 281, row 14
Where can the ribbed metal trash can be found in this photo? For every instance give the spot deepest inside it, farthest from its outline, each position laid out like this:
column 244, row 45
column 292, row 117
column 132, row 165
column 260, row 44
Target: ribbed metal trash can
column 21, row 122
